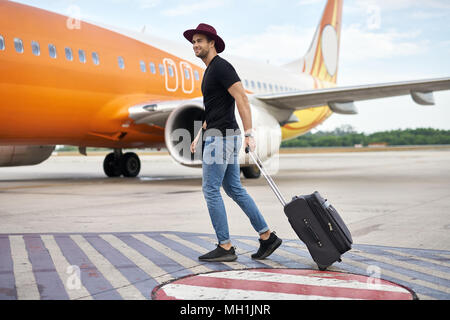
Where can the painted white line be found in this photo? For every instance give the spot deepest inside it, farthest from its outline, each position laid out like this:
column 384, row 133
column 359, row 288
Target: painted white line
column 26, row 285
column 303, row 280
column 268, row 260
column 234, row 264
column 409, row 255
column 405, row 265
column 172, row 254
column 187, row 292
column 138, row 259
column 67, row 274
column 109, row 271
column 384, row 273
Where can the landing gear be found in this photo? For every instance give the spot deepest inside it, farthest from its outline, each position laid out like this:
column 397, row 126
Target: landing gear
column 116, row 164
column 251, row 172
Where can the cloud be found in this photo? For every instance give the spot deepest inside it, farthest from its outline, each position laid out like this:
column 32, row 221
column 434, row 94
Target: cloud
column 308, row 2
column 190, row 8
column 360, row 44
column 403, row 4
column 284, row 43
column 145, row 4
column 277, row 44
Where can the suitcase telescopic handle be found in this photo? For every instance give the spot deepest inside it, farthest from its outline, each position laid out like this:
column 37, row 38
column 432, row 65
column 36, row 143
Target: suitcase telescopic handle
column 269, row 179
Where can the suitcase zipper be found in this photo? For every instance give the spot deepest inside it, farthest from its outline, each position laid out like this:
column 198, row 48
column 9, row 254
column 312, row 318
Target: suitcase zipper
column 325, row 224
column 311, row 230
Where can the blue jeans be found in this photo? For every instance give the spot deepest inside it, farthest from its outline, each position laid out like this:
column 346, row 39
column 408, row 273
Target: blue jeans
column 221, row 168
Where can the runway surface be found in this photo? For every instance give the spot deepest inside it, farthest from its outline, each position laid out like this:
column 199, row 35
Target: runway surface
column 123, row 237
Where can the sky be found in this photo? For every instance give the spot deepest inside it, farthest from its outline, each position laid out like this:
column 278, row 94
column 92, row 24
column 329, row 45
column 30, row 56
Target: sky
column 381, row 41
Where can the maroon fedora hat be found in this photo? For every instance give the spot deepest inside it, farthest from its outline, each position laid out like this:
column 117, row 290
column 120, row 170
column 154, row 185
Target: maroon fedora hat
column 208, row 30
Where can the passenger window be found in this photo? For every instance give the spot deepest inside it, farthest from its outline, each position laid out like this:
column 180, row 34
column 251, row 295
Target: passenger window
column 253, row 84
column 270, row 87
column 82, row 56
column 152, row 67
column 2, row 43
column 170, row 68
column 121, row 63
column 161, row 69
column 186, row 74
column 35, row 48
column 95, row 58
column 18, row 44
column 52, row 51
column 265, row 86
column 142, row 64
column 246, row 83
column 69, row 55
column 259, row 85
column 196, row 75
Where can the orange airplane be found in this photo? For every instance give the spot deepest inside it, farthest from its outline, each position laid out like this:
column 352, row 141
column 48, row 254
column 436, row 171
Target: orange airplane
column 66, row 82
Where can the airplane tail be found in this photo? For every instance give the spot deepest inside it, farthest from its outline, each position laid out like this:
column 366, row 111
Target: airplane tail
column 321, row 59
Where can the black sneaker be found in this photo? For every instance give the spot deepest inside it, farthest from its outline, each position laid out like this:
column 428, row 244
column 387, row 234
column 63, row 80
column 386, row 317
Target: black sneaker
column 219, row 254
column 267, row 247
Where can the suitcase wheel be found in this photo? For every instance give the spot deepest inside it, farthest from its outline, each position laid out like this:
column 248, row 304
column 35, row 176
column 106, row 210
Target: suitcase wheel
column 322, row 267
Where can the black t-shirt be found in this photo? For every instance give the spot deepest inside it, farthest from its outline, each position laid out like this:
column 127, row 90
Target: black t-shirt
column 219, row 103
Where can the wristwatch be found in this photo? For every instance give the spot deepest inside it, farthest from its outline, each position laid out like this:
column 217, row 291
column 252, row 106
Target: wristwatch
column 249, row 135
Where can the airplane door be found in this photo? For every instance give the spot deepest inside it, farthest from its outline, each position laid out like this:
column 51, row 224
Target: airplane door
column 187, row 77
column 171, row 75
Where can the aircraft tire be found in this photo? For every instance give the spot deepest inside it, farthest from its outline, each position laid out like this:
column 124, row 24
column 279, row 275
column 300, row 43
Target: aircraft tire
column 111, row 166
column 130, row 165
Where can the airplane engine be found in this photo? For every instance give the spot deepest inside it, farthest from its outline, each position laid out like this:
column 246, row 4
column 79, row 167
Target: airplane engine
column 11, row 156
column 181, row 127
column 185, row 121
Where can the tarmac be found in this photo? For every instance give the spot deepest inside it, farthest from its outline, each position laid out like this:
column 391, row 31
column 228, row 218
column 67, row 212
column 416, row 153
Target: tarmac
column 68, row 232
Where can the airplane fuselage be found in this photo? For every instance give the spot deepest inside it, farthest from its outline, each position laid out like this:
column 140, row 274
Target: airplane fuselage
column 73, row 85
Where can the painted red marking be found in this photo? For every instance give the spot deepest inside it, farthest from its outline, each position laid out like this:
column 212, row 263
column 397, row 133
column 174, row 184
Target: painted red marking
column 320, row 289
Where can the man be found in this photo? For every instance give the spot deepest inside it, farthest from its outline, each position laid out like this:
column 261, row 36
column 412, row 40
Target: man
column 222, row 88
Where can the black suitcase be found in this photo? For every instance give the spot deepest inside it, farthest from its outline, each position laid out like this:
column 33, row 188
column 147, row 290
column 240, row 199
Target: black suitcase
column 315, row 221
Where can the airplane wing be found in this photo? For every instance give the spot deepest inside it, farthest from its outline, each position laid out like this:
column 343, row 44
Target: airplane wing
column 341, row 99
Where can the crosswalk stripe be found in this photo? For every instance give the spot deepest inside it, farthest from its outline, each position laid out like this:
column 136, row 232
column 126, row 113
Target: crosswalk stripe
column 138, row 259
column 385, row 272
column 115, row 278
column 179, row 258
column 73, row 286
column 268, row 261
column 295, row 257
column 115, row 265
column 406, row 266
column 408, row 255
column 233, row 265
column 349, row 260
column 26, row 285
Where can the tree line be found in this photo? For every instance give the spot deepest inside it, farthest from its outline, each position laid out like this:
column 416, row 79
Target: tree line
column 346, row 136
